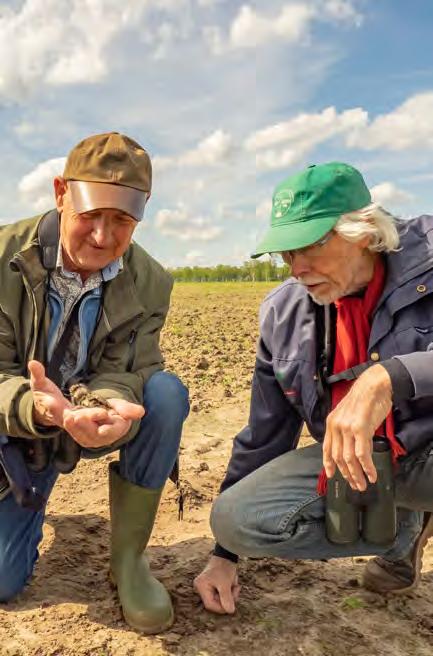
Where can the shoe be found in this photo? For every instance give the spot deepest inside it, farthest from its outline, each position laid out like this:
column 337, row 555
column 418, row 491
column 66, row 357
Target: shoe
column 145, row 602
column 399, row 576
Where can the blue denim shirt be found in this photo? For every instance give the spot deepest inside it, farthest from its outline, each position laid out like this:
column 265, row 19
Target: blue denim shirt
column 87, row 316
column 285, row 388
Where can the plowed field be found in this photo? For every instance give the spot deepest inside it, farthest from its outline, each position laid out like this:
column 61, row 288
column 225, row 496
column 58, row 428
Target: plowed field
column 300, row 608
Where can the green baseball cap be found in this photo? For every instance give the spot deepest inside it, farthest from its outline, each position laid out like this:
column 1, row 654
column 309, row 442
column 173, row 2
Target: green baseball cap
column 308, row 205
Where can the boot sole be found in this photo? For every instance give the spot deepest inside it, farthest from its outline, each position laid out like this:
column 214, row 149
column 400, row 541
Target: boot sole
column 160, row 628
column 425, row 535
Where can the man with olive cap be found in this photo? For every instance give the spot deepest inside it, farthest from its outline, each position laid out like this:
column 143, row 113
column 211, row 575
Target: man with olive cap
column 80, row 303
column 346, row 347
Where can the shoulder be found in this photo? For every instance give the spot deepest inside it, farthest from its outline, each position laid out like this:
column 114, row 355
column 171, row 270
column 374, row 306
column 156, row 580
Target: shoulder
column 287, row 316
column 287, row 297
column 419, row 228
column 16, row 236
column 147, row 272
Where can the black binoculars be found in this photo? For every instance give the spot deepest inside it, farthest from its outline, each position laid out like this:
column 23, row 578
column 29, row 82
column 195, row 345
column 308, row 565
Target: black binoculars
column 371, row 514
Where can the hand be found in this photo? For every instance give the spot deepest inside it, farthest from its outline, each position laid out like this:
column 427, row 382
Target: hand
column 49, row 402
column 218, row 586
column 98, row 427
column 350, row 428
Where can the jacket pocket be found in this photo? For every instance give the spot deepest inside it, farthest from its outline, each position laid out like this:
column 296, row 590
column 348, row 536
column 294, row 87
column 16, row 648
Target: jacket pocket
column 296, row 379
column 424, row 331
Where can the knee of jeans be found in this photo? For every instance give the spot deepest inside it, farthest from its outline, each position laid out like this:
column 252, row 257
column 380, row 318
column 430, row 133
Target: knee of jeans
column 166, row 396
column 12, row 580
column 229, row 525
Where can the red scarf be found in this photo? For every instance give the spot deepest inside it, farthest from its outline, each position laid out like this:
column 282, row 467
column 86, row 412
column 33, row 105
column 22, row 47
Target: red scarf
column 351, row 348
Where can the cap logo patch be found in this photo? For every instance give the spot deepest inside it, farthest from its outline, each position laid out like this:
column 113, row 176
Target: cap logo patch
column 282, row 203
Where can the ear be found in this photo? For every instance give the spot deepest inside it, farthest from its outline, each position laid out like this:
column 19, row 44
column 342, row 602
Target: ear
column 60, row 188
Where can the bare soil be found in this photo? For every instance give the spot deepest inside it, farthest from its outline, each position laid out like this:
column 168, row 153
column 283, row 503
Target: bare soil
column 301, row 608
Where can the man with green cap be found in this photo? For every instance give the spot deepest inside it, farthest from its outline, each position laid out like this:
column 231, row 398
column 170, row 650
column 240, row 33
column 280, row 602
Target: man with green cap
column 81, row 375
column 346, row 346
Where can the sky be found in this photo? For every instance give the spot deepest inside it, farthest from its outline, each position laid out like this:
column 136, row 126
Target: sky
column 229, row 98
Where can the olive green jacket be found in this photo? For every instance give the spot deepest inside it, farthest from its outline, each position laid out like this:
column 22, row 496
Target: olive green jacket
column 135, row 303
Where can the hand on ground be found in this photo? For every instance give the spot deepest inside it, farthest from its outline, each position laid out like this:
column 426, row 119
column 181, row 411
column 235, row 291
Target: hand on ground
column 218, row 586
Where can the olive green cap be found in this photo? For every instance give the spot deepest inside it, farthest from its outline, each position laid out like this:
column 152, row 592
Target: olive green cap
column 109, row 170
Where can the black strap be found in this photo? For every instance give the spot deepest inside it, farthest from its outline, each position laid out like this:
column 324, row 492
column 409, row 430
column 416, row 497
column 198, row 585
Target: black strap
column 325, row 345
column 349, row 374
column 48, row 236
column 326, row 335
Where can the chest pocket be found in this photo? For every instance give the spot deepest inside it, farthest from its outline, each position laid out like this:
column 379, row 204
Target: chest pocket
column 413, row 325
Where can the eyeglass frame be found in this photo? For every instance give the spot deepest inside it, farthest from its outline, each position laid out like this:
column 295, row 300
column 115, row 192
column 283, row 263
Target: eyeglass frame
column 289, row 254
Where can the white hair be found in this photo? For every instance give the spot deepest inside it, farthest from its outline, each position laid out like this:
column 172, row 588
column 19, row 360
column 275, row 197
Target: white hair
column 372, row 221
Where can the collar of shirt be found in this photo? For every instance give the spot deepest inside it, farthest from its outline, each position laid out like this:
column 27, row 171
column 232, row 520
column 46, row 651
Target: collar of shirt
column 107, row 273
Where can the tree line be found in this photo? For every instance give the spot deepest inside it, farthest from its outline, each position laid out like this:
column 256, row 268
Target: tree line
column 255, row 271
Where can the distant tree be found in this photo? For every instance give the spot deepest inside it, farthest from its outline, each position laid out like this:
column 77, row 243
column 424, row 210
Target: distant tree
column 251, row 271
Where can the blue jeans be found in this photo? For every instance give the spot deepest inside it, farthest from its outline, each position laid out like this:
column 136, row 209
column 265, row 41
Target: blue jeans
column 276, row 511
column 146, row 461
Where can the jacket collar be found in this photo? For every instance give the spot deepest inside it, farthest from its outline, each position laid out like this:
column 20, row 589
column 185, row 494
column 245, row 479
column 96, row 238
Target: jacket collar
column 409, row 274
column 413, row 258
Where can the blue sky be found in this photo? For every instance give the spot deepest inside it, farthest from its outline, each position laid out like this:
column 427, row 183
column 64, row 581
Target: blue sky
column 229, row 97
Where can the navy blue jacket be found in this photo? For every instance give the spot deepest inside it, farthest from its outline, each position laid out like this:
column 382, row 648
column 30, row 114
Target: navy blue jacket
column 285, row 388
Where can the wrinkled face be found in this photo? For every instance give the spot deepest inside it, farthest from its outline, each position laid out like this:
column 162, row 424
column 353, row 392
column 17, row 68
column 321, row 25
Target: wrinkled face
column 333, row 268
column 91, row 240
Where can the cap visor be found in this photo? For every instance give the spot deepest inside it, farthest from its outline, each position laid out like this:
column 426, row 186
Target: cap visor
column 289, row 236
column 89, row 196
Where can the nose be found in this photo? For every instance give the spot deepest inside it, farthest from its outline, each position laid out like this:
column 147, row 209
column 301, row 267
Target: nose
column 300, row 264
column 101, row 232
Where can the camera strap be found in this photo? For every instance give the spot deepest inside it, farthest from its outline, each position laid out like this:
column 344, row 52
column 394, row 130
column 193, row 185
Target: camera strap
column 325, row 340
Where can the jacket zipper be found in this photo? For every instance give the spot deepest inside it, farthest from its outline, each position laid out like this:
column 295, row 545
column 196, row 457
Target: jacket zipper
column 132, row 342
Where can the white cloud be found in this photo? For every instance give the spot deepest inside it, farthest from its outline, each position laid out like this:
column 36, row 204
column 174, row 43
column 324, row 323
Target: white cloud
column 179, row 223
column 250, row 28
column 195, row 257
column 214, row 149
column 60, row 42
column 295, row 138
column 24, row 129
column 409, row 126
column 263, row 209
column 388, row 194
column 37, row 186
column 344, row 11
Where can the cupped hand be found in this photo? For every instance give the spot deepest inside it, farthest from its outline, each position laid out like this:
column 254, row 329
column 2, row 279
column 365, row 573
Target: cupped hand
column 49, row 402
column 98, row 427
column 218, row 586
column 350, row 428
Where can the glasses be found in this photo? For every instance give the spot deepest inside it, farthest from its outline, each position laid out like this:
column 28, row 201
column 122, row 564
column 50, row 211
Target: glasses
column 307, row 250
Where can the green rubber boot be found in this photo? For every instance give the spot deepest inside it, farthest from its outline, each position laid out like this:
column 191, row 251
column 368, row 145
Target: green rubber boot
column 145, row 602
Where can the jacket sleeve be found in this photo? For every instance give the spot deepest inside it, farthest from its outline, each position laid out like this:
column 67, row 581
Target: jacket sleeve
column 16, row 398
column 274, row 425
column 420, row 368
